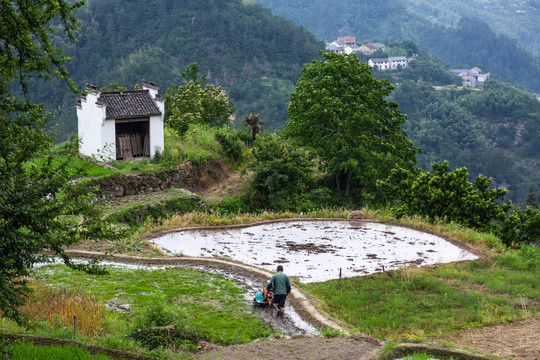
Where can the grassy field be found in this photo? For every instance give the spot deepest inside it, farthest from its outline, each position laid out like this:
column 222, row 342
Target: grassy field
column 29, row 351
column 431, row 302
column 194, row 302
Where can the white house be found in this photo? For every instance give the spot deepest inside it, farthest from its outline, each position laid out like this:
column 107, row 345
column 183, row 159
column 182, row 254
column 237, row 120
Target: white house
column 343, row 45
column 472, row 77
column 117, row 125
column 398, row 61
column 380, row 63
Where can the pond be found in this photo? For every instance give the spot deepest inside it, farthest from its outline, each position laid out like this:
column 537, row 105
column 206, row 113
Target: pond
column 315, row 251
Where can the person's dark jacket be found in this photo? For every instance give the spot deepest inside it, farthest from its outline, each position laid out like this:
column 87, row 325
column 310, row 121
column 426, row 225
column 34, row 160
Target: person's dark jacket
column 280, row 282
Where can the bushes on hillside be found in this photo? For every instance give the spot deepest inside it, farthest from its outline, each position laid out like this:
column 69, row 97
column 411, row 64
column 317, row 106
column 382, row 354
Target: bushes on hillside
column 521, row 226
column 282, row 174
column 444, row 195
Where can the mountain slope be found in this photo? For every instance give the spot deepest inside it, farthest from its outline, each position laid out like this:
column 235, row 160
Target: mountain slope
column 516, row 19
column 252, row 54
column 469, row 44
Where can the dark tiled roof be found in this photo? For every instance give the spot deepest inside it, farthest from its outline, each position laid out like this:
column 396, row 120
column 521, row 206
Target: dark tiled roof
column 128, row 104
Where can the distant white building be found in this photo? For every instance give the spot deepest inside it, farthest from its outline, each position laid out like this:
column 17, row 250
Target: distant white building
column 471, row 77
column 116, row 125
column 343, row 45
column 391, row 63
column 380, row 63
column 397, row 62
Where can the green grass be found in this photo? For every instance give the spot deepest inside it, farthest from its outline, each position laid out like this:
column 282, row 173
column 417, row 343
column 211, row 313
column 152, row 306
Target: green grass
column 207, row 299
column 78, row 165
column 29, row 351
column 428, row 302
column 198, row 145
column 422, row 356
column 155, row 210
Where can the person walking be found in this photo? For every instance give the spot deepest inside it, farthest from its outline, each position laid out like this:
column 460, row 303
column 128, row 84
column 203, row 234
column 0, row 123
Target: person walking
column 282, row 287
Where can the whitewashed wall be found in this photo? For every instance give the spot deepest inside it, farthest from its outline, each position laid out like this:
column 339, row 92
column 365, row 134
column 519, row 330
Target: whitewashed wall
column 92, row 127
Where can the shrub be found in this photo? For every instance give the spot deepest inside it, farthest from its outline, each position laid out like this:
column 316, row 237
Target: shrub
column 282, row 174
column 232, row 205
column 527, row 258
column 231, row 145
column 522, row 226
column 158, row 325
column 446, row 195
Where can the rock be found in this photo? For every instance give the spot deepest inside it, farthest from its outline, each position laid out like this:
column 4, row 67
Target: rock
column 356, row 215
column 119, row 191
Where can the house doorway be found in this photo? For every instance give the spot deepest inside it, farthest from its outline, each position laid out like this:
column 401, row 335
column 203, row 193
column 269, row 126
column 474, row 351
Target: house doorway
column 132, row 138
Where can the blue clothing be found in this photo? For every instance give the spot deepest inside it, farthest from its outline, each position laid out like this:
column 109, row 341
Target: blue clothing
column 280, row 282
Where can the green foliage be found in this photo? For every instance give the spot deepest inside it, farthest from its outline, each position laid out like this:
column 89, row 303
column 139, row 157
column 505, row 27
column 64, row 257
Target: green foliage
column 341, row 112
column 531, row 200
column 194, row 104
column 41, row 209
column 232, row 205
column 136, row 214
column 113, row 87
column 485, row 130
column 243, row 47
column 444, row 195
column 230, row 143
column 521, row 226
column 282, row 173
column 29, row 351
column 159, row 325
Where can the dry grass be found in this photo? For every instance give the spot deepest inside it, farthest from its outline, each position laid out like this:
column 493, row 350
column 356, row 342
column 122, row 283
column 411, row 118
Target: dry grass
column 195, row 219
column 66, row 306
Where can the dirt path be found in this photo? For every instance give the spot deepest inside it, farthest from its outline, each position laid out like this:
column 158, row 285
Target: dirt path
column 519, row 340
column 315, row 348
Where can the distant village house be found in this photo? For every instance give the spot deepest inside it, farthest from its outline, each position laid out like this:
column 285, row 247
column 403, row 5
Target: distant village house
column 343, row 45
column 471, row 77
column 370, row 48
column 390, row 63
column 121, row 125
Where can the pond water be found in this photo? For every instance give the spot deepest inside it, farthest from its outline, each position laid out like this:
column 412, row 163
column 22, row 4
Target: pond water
column 316, row 251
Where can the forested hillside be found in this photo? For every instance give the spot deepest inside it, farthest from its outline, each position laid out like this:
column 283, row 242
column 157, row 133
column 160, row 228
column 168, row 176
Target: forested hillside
column 516, row 19
column 255, row 56
column 471, row 43
column 493, row 130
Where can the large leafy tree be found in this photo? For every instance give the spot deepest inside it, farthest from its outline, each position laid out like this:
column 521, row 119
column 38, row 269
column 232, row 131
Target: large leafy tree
column 339, row 110
column 41, row 209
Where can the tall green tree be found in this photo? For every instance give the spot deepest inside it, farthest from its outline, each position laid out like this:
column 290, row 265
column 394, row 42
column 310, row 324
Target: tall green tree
column 531, row 199
column 41, row 209
column 340, row 111
column 197, row 102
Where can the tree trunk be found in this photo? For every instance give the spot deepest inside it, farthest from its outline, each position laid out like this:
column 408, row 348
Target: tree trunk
column 348, row 188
